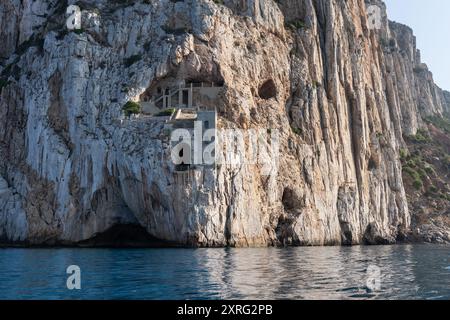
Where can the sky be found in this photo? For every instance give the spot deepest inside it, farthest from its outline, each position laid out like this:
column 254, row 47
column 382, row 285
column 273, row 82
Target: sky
column 430, row 20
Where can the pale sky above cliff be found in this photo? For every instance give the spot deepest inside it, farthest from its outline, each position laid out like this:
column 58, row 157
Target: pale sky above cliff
column 431, row 24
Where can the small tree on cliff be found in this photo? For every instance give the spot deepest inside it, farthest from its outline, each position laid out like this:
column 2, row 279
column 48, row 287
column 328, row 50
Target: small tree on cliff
column 130, row 108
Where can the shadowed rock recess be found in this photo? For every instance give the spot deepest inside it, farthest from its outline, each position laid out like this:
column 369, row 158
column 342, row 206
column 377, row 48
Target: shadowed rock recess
column 342, row 96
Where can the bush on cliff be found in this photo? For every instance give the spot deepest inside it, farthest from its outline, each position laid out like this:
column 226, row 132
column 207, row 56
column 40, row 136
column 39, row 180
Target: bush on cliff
column 165, row 113
column 131, row 107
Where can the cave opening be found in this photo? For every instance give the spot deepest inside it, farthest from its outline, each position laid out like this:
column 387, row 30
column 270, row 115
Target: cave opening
column 267, row 90
column 288, row 199
column 125, row 236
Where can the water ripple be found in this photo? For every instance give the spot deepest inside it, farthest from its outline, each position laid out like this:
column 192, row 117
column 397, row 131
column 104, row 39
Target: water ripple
column 406, row 272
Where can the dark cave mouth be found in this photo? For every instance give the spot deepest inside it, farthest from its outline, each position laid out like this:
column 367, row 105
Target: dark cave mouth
column 126, row 236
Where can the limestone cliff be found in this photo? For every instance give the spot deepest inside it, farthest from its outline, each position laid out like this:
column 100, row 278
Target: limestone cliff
column 340, row 94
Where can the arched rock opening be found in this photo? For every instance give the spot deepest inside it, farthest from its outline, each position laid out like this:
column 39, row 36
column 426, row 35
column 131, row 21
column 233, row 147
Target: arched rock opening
column 125, row 235
column 267, row 90
column 292, row 202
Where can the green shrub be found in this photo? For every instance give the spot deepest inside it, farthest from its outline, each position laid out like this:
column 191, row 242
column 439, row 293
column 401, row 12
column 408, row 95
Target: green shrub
column 429, row 169
column 79, row 31
column 418, row 184
column 316, row 84
column 421, row 136
column 131, row 107
column 424, row 134
column 447, row 160
column 413, row 173
column 403, row 154
column 422, row 173
column 165, row 113
column 295, row 25
column 296, row 130
column 411, row 163
column 441, row 122
column 444, row 196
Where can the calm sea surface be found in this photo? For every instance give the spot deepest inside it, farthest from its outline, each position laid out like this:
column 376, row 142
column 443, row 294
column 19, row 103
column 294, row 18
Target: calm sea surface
column 398, row 272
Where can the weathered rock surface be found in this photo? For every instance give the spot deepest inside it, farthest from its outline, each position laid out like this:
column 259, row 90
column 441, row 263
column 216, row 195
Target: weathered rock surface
column 340, row 95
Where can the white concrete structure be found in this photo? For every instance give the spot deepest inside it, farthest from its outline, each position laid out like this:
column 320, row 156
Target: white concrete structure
column 190, row 95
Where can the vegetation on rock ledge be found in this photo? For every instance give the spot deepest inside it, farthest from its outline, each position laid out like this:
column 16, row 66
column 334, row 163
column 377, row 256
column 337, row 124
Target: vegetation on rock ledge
column 131, row 107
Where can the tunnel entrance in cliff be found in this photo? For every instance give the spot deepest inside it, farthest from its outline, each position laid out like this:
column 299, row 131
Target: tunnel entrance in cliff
column 267, row 90
column 125, row 236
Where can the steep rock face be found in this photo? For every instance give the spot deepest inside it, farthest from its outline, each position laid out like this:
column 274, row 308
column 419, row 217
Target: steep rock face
column 447, row 104
column 340, row 108
column 337, row 94
column 21, row 20
column 413, row 86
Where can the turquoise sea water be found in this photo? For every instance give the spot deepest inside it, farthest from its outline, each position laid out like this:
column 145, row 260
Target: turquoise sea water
column 405, row 272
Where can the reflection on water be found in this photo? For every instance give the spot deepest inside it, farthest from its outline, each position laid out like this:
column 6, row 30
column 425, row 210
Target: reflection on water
column 407, row 272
